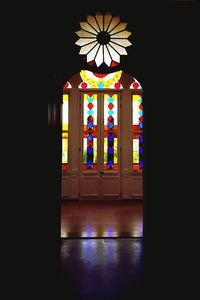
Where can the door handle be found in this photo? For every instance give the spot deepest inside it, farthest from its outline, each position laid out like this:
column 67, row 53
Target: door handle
column 102, row 172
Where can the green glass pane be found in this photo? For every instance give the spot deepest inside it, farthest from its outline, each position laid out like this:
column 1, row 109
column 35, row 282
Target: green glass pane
column 135, row 151
column 115, row 151
column 105, row 156
column 85, row 150
column 64, row 151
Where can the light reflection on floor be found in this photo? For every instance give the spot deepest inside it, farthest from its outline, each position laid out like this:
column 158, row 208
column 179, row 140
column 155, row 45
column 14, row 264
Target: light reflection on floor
column 96, row 269
column 108, row 221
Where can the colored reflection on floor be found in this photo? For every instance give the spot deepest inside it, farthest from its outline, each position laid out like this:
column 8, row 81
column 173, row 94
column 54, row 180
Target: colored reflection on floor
column 102, row 269
column 107, row 219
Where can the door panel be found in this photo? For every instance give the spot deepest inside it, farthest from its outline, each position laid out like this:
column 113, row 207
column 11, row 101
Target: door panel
column 100, row 146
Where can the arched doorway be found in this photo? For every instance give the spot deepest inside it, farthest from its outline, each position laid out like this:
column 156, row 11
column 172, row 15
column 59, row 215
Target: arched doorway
column 102, row 137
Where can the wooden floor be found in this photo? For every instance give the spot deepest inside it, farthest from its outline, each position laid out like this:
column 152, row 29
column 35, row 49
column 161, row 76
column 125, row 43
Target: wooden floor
column 95, row 219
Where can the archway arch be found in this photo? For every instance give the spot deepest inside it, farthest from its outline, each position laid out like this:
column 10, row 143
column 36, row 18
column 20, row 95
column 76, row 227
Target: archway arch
column 102, row 137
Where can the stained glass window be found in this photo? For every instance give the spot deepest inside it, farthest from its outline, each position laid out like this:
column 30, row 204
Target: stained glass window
column 135, row 85
column 90, row 131
column 110, row 132
column 65, row 123
column 137, row 132
column 99, row 81
column 103, row 39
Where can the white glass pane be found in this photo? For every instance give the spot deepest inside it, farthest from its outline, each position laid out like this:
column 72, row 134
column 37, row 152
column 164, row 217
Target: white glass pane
column 91, row 55
column 99, row 57
column 87, row 100
column 65, row 113
column 123, row 34
column 119, row 49
column 110, row 111
column 85, row 49
column 85, row 41
column 122, row 42
column 115, row 56
column 135, row 110
column 107, row 58
column 118, row 28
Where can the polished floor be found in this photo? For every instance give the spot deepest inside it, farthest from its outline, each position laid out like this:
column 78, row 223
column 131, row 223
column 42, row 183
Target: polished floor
column 102, row 269
column 95, row 219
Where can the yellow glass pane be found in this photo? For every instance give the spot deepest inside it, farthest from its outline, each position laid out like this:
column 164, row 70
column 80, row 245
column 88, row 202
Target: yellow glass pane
column 119, row 27
column 64, row 151
column 123, row 34
column 115, row 151
column 136, row 151
column 95, row 150
column 65, row 135
column 65, row 97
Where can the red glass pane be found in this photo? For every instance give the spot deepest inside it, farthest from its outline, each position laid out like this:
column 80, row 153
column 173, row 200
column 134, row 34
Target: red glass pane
column 64, row 167
column 66, row 85
column 83, row 85
column 135, row 85
column 110, row 119
column 135, row 127
column 141, row 118
column 110, row 105
column 117, row 85
column 89, row 144
column 136, row 167
column 141, row 107
column 114, row 64
column 135, row 135
column 90, row 119
column 90, row 105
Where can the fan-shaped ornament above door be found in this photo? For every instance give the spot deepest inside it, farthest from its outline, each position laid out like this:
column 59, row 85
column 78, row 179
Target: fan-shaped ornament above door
column 103, row 39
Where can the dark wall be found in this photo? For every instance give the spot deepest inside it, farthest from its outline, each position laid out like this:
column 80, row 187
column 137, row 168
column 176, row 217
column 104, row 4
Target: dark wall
column 163, row 59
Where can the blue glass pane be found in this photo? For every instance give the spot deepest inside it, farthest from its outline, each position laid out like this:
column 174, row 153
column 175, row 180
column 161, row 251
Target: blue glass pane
column 110, row 99
column 110, row 138
column 110, row 163
column 140, row 150
column 110, row 112
column 90, row 137
column 141, row 112
column 90, row 124
column 110, row 150
column 141, row 163
column 89, row 150
column 141, row 139
column 141, row 124
column 100, row 85
column 90, row 99
column 140, row 100
column 110, row 125
column 90, row 112
column 89, row 163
